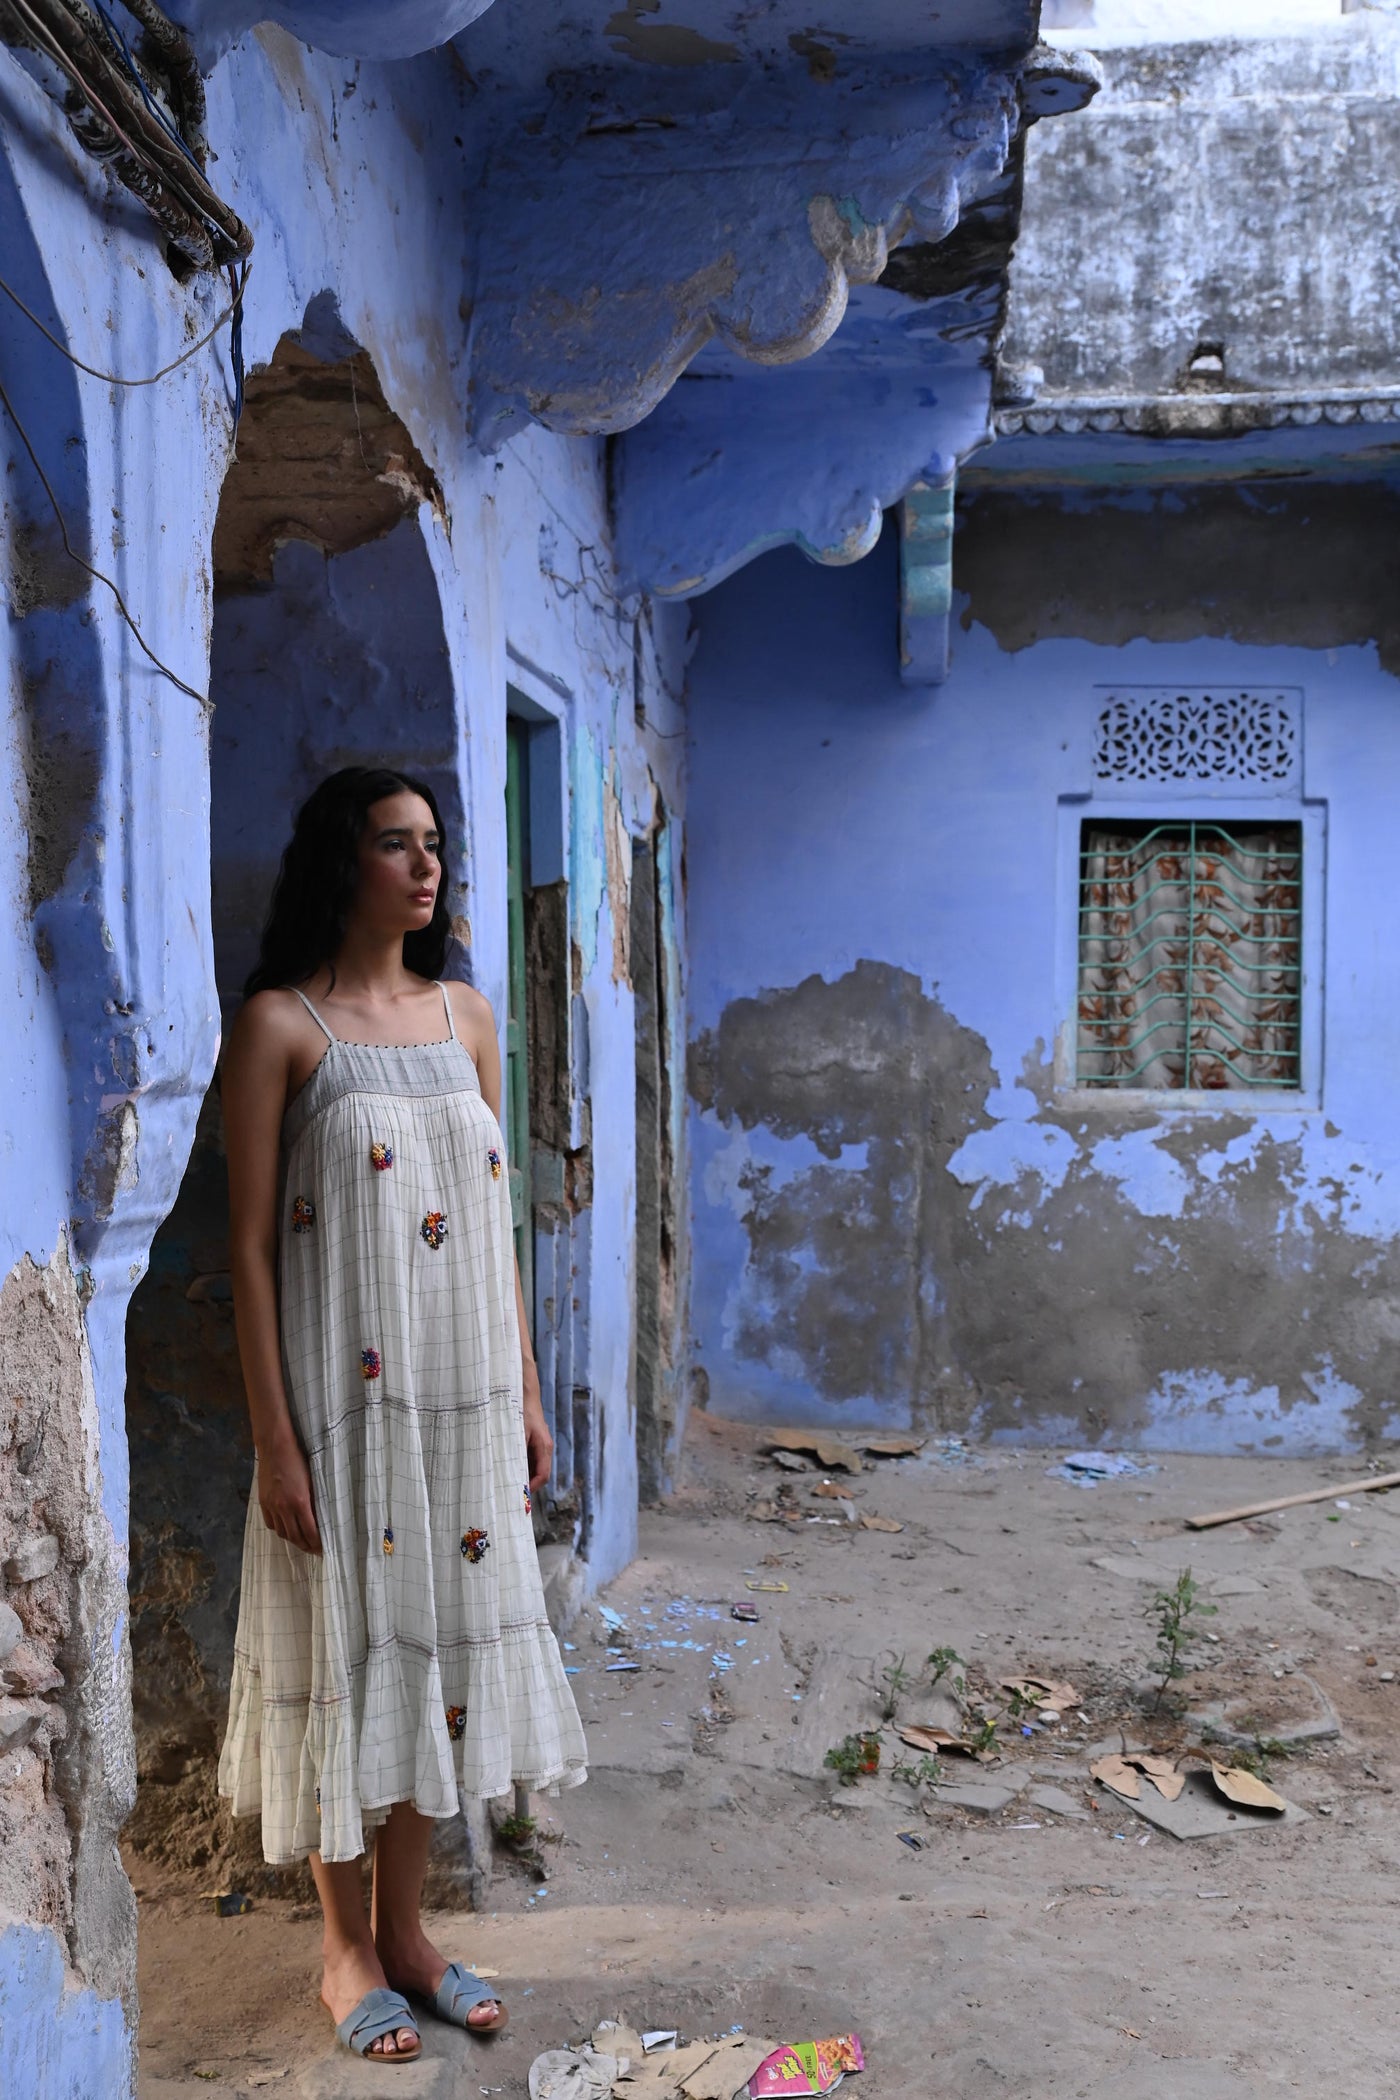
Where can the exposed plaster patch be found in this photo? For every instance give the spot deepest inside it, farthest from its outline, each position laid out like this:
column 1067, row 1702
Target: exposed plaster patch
column 1122, row 1273
column 663, row 43
column 321, row 457
column 1314, row 565
column 64, row 1688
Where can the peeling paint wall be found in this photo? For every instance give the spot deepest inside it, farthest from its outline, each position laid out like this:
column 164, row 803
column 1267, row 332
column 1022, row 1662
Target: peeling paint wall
column 108, row 938
column 1227, row 192
column 901, row 1209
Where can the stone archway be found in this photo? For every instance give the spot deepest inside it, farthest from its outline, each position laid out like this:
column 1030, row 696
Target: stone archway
column 327, row 648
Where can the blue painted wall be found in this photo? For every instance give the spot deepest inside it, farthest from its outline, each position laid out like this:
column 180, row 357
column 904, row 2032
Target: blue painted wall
column 898, row 1213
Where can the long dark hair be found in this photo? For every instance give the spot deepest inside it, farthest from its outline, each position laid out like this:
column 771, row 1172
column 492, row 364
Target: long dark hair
column 314, row 893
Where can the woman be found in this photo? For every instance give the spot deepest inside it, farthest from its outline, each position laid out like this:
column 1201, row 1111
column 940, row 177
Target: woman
column 393, row 1656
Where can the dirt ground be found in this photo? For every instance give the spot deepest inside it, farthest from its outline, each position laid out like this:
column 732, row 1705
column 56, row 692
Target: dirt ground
column 713, row 1872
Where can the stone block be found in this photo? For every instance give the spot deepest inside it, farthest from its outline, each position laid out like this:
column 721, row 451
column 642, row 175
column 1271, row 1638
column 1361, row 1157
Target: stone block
column 32, row 1560
column 11, row 1631
column 18, row 1724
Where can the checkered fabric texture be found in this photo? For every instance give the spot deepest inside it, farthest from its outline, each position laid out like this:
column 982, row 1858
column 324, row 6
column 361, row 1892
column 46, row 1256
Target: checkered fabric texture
column 413, row 1661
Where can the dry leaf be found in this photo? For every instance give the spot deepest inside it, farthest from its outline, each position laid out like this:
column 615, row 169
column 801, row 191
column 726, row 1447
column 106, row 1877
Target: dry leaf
column 1131, row 2033
column 1163, row 1774
column 828, row 1451
column 1118, row 1775
column 1244, row 1788
column 1046, row 1691
column 870, row 1522
column 935, row 1739
column 832, row 1490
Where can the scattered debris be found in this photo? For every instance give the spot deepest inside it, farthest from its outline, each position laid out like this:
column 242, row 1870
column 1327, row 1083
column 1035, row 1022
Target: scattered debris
column 614, row 1667
column 910, row 1838
column 831, row 1454
column 615, row 2038
column 778, row 1589
column 1120, row 1774
column 890, row 1446
column 703, row 2070
column 1044, row 1693
column 747, row 1614
column 832, row 1490
column 920, row 1737
column 1208, row 1803
column 793, row 1461
column 807, row 2067
column 1238, row 1785
column 1088, row 1468
column 231, row 1903
column 869, row 1521
column 574, row 2074
column 1380, row 1483
column 659, row 2038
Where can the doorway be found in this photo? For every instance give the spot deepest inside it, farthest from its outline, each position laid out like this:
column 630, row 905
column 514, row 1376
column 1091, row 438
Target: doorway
column 654, row 990
column 328, row 648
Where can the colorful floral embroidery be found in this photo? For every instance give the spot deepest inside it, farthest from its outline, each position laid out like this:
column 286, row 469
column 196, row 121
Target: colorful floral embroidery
column 495, row 1158
column 456, row 1722
column 370, row 1365
column 475, row 1546
column 381, row 1157
column 434, row 1229
column 388, row 1538
column 303, row 1214
column 529, row 1505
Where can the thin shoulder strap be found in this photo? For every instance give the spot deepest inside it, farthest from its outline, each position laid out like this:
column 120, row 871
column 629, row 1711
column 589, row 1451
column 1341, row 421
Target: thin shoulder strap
column 451, row 1024
column 313, row 1013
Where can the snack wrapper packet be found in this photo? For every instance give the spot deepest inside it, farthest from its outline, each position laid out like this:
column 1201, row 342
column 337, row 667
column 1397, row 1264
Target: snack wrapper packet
column 806, row 2067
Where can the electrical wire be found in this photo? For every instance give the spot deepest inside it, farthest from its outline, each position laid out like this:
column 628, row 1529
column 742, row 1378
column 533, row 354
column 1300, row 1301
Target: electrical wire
column 115, row 36
column 71, row 551
column 115, row 378
column 39, row 30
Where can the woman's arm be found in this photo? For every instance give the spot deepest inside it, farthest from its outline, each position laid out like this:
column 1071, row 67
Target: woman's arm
column 256, row 1074
column 477, row 1027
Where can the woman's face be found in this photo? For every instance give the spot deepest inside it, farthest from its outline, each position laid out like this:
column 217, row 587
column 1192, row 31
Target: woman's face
column 399, row 866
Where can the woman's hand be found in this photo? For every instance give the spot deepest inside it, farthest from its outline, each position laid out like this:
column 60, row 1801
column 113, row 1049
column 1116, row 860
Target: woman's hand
column 284, row 1495
column 539, row 1443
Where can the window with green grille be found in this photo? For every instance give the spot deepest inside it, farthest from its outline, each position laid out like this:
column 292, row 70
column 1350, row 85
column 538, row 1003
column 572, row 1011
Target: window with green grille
column 1190, row 955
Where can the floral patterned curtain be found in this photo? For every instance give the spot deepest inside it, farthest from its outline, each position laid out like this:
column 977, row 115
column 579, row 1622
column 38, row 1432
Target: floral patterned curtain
column 1190, row 956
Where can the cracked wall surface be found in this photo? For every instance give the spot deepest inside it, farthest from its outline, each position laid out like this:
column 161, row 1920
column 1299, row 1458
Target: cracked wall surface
column 902, row 1210
column 67, row 1778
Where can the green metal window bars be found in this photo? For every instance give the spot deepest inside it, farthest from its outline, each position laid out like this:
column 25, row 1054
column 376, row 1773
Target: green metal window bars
column 1190, row 956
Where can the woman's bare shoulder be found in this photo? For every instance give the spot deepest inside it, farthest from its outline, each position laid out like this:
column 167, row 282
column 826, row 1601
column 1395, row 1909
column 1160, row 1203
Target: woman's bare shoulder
column 270, row 1023
column 471, row 1006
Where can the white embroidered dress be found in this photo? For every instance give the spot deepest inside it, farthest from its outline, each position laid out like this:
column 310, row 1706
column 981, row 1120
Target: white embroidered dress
column 412, row 1661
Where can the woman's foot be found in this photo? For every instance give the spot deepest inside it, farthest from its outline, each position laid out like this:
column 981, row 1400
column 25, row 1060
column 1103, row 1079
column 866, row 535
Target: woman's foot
column 412, row 1963
column 350, row 1971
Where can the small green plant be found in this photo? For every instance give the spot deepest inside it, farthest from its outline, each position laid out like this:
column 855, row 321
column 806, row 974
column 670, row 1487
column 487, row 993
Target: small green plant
column 941, row 1662
column 854, row 1756
column 517, row 1831
column 927, row 1772
column 1020, row 1703
column 984, row 1731
column 896, row 1681
column 1174, row 1610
